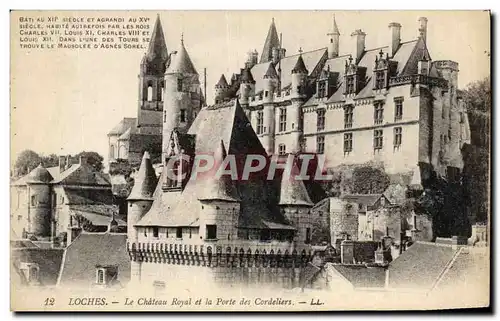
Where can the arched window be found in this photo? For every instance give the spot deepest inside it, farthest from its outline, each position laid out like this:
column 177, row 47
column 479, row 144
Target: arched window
column 100, row 276
column 150, row 93
column 33, row 274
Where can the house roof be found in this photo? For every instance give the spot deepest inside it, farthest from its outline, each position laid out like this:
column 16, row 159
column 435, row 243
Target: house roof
column 420, row 266
column 48, row 260
column 365, row 199
column 181, row 62
column 97, row 216
column 145, row 181
column 360, row 276
column 89, row 250
column 82, row 174
column 88, row 196
column 259, row 197
column 293, row 191
column 122, row 126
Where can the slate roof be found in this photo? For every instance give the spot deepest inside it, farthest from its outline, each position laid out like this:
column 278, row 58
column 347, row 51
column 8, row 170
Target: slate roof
column 311, row 61
column 89, row 250
column 365, row 199
column 96, row 218
column 83, row 196
column 181, row 62
column 39, row 175
column 48, row 260
column 300, row 67
column 157, row 46
column 272, row 41
column 83, row 174
column 420, row 266
column 222, row 82
column 361, row 276
column 145, row 181
column 122, row 126
column 293, row 191
column 271, row 72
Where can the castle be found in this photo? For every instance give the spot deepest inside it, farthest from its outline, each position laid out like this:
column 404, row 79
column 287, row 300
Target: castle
column 392, row 105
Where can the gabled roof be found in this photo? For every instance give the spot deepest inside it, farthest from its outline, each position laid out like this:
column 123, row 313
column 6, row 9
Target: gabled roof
column 48, row 260
column 181, row 62
column 145, row 181
column 122, row 126
column 420, row 266
column 83, row 174
column 39, row 175
column 125, row 135
column 272, row 41
column 300, row 67
column 365, row 199
column 90, row 250
column 88, row 196
column 293, row 191
column 222, row 83
column 157, row 46
column 360, row 276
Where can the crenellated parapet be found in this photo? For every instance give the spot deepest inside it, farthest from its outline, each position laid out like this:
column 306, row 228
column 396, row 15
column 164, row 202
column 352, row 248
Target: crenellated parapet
column 216, row 256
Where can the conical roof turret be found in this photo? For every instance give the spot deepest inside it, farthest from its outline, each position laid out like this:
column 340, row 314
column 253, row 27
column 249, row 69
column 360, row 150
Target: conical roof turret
column 145, row 181
column 271, row 72
column 293, row 190
column 40, row 175
column 246, row 76
column 218, row 188
column 181, row 62
column 222, row 83
column 272, row 41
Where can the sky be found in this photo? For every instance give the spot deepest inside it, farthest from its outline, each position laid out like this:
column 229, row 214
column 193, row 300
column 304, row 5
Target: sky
column 66, row 101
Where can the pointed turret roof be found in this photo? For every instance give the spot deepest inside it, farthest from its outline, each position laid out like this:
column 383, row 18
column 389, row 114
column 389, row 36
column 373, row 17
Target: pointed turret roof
column 222, row 82
column 218, row 188
column 300, row 67
column 271, row 72
column 335, row 30
column 145, row 181
column 246, row 76
column 157, row 45
column 272, row 41
column 181, row 62
column 39, row 175
column 293, row 191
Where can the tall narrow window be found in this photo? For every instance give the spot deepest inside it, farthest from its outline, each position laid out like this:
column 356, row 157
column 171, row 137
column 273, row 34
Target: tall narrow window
column 150, row 92
column 321, row 119
column 378, row 139
column 320, row 144
column 350, row 85
column 33, row 274
column 155, row 231
column 398, row 137
column 282, row 123
column 162, row 91
column 347, row 143
column 380, row 80
column 260, row 122
column 183, row 115
column 322, row 89
column 33, row 200
column 178, row 233
column 308, row 235
column 112, row 151
column 398, row 108
column 100, row 276
column 281, row 149
column 164, row 116
column 211, row 232
column 348, row 116
column 179, row 84
column 378, row 113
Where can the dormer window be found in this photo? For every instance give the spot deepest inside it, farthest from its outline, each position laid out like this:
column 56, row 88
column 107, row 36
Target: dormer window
column 350, row 85
column 106, row 275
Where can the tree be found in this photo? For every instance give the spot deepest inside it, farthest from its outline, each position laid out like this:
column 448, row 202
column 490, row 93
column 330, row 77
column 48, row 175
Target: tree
column 369, row 180
column 50, row 160
column 93, row 159
column 26, row 161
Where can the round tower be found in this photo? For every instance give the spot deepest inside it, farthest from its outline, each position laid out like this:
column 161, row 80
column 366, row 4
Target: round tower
column 299, row 76
column 39, row 201
column 141, row 196
column 247, row 86
column 333, row 41
column 270, row 84
column 221, row 89
column 299, row 83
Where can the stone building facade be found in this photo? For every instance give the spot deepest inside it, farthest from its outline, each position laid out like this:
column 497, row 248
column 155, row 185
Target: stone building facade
column 392, row 104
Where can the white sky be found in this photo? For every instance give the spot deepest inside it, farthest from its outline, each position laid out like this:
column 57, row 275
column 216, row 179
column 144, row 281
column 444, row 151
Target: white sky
column 65, row 101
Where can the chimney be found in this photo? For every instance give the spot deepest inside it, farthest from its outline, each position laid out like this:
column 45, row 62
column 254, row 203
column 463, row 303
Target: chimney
column 347, row 252
column 423, row 28
column 83, row 160
column 359, row 44
column 62, row 164
column 395, row 33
